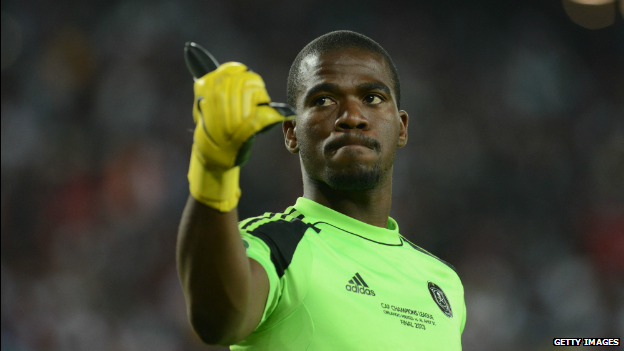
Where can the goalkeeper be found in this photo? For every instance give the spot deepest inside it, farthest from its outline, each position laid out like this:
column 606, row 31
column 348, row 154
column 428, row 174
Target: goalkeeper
column 331, row 272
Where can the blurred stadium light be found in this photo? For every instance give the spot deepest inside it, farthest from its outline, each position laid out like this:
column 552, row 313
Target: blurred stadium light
column 591, row 14
column 593, row 2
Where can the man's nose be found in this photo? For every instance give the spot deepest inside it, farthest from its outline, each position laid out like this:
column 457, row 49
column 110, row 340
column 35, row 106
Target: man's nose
column 351, row 116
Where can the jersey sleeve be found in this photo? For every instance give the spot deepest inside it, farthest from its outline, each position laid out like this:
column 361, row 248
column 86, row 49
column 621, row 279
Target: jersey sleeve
column 256, row 249
column 278, row 244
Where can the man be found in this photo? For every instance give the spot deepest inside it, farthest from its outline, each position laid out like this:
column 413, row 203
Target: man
column 332, row 272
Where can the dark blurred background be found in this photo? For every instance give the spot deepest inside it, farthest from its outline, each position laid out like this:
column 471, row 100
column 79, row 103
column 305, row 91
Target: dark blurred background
column 514, row 170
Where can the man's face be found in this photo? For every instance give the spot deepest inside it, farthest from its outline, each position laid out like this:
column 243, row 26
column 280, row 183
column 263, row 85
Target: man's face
column 348, row 126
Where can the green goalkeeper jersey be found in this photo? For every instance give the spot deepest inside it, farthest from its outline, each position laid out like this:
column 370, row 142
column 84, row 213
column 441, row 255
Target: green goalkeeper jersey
column 340, row 284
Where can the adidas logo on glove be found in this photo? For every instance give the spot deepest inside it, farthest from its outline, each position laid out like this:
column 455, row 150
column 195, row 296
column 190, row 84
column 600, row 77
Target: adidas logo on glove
column 358, row 285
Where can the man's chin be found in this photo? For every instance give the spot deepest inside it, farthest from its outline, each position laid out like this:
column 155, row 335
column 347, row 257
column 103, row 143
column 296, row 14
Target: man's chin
column 354, row 179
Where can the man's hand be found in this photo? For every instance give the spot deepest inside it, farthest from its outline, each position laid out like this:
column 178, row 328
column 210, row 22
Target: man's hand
column 231, row 106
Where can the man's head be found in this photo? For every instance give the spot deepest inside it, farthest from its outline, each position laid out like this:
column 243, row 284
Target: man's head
column 348, row 126
column 334, row 41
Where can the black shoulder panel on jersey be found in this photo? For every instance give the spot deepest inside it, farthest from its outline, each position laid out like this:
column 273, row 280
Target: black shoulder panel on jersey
column 428, row 254
column 282, row 238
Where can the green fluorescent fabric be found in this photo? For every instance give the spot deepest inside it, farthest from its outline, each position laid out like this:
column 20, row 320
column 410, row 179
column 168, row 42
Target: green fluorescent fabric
column 340, row 284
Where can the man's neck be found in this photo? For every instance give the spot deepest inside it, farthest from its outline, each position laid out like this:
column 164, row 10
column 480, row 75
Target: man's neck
column 368, row 206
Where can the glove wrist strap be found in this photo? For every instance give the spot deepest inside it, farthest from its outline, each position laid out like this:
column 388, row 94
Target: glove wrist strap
column 217, row 189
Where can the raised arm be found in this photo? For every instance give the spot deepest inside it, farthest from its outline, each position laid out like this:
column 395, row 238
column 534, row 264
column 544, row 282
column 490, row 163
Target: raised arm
column 225, row 291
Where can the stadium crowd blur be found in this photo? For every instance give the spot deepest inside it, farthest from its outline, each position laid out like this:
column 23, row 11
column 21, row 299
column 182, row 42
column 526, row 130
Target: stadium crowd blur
column 514, row 170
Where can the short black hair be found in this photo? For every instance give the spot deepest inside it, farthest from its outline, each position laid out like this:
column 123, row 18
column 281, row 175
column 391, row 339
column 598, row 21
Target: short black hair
column 333, row 41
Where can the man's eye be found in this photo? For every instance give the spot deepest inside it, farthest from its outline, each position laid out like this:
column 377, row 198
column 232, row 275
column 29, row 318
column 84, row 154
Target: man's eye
column 373, row 99
column 324, row 101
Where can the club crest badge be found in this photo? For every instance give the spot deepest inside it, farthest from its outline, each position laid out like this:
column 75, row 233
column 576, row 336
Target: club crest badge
column 440, row 299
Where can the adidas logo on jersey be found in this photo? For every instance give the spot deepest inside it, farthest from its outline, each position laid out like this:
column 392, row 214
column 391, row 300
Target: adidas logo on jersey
column 358, row 285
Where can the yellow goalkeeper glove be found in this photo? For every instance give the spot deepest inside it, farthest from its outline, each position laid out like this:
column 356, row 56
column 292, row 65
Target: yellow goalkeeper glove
column 231, row 106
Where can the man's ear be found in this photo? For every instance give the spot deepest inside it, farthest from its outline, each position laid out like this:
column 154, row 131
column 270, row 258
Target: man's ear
column 290, row 136
column 404, row 119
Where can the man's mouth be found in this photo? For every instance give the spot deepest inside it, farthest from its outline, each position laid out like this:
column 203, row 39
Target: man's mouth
column 352, row 140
